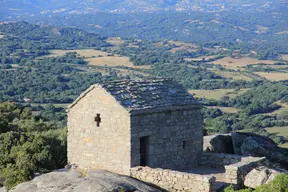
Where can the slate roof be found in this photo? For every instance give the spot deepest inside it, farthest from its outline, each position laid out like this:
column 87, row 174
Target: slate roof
column 147, row 94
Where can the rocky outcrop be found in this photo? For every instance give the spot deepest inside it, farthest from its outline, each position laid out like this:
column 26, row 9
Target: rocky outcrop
column 73, row 181
column 238, row 139
column 250, row 144
column 220, row 143
column 260, row 176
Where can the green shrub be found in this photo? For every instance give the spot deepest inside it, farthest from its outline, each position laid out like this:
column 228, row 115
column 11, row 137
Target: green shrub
column 279, row 184
column 231, row 189
column 28, row 144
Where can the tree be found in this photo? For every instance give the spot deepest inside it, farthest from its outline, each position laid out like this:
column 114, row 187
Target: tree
column 3, row 58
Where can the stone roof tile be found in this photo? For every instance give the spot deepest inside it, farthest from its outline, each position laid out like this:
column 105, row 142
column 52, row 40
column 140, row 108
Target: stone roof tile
column 148, row 93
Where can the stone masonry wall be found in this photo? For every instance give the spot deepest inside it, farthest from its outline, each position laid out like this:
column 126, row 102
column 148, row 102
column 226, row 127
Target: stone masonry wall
column 236, row 167
column 175, row 137
column 235, row 173
column 174, row 181
column 218, row 159
column 104, row 147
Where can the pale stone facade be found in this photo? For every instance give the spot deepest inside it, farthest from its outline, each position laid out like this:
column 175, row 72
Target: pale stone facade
column 119, row 125
column 104, row 147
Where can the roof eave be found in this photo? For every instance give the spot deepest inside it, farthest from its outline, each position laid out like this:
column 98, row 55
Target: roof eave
column 165, row 108
column 80, row 97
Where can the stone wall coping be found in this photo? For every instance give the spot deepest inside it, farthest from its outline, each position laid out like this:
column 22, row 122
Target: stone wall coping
column 221, row 155
column 173, row 173
column 245, row 160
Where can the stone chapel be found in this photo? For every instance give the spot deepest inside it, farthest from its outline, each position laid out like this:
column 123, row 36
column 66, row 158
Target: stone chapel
column 122, row 124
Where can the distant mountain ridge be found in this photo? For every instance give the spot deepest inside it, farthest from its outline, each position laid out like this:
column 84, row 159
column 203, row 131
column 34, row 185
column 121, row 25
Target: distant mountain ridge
column 16, row 8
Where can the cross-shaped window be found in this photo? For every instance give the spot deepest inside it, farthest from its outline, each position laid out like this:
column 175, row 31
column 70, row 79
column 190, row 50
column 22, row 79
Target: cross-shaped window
column 98, row 119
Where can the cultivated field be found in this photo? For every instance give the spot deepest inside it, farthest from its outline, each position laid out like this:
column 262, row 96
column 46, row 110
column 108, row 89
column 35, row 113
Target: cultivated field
column 285, row 57
column 113, row 61
column 282, row 131
column 239, row 63
column 233, row 75
column 81, row 52
column 199, row 58
column 226, row 109
column 115, row 41
column 182, row 46
column 282, row 32
column 98, row 58
column 273, row 76
column 284, row 107
column 217, row 93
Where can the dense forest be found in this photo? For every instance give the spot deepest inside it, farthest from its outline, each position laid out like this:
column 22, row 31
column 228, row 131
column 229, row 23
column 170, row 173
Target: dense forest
column 232, row 29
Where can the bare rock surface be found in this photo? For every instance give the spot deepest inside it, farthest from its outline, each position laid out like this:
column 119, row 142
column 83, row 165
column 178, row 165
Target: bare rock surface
column 250, row 144
column 220, row 143
column 100, row 181
column 260, row 176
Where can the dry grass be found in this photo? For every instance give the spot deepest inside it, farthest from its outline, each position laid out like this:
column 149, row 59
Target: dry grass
column 278, row 66
column 183, row 46
column 273, row 76
column 282, row 131
column 285, row 57
column 282, row 32
column 285, row 145
column 216, row 21
column 229, row 62
column 261, row 29
column 284, row 107
column 174, row 50
column 199, row 58
column 241, row 28
column 217, row 93
column 115, row 41
column 113, row 61
column 226, row 109
column 192, row 21
column 98, row 58
column 131, row 72
column 233, row 75
column 82, row 53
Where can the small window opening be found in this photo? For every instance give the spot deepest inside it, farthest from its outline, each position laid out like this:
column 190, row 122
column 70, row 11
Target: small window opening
column 98, row 120
column 184, row 144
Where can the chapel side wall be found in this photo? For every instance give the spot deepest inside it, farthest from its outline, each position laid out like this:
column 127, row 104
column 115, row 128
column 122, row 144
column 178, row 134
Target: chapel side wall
column 167, row 131
column 105, row 147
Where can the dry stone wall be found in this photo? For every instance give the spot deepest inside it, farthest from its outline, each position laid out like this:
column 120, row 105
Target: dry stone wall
column 218, row 159
column 235, row 173
column 174, row 181
column 236, row 167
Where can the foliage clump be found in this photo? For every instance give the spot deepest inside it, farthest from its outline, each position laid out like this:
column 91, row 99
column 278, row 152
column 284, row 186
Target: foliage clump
column 28, row 145
column 279, row 184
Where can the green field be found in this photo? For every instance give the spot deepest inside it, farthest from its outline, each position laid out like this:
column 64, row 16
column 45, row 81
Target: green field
column 282, row 131
column 226, row 109
column 217, row 94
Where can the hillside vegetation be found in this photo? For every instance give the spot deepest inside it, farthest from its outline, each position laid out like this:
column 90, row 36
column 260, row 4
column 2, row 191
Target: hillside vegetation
column 45, row 68
column 29, row 144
